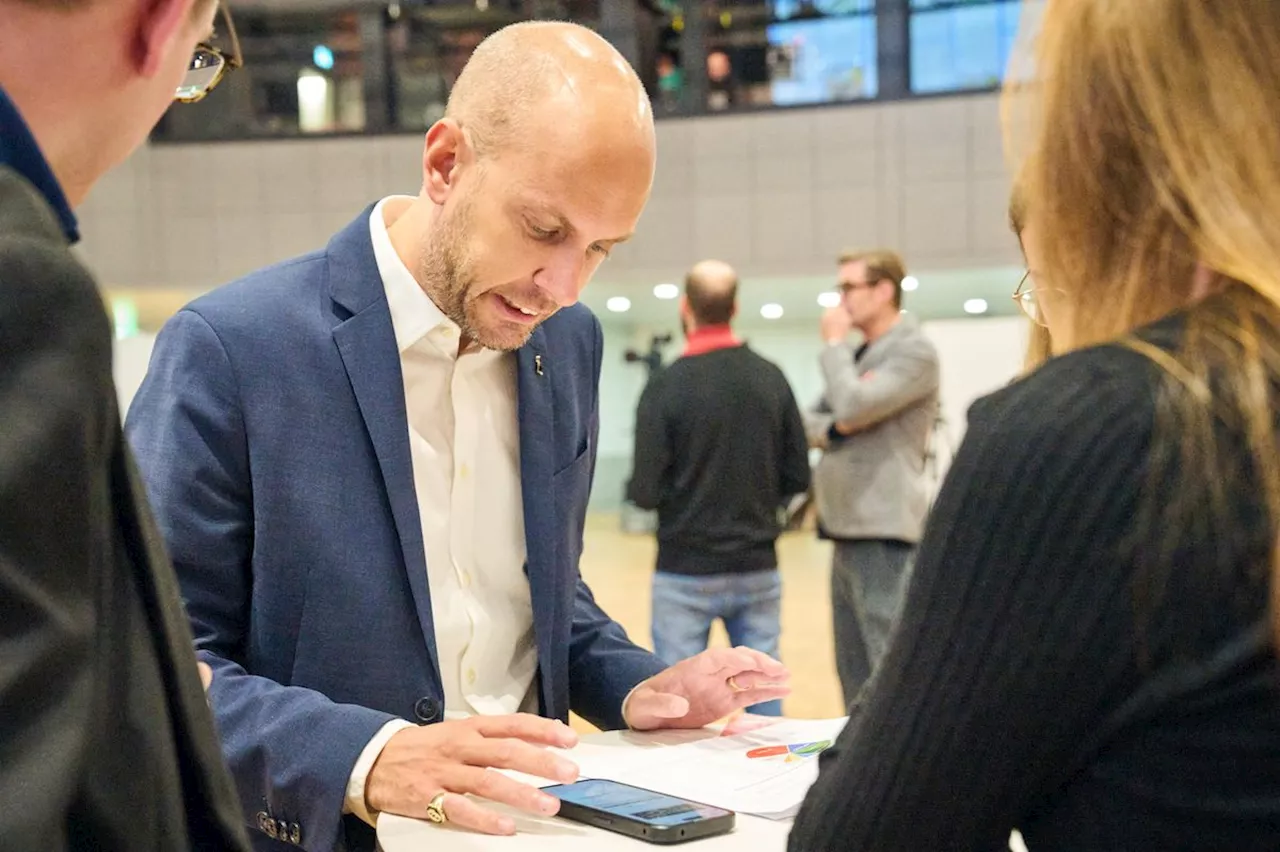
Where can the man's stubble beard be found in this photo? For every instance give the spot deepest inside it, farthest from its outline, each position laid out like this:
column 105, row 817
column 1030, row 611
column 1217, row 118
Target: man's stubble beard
column 446, row 276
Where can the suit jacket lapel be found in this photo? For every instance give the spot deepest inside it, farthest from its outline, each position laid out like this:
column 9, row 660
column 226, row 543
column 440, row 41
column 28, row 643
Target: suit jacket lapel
column 537, row 435
column 367, row 344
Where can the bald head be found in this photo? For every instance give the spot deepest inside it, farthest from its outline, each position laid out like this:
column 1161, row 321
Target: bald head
column 711, row 292
column 540, row 74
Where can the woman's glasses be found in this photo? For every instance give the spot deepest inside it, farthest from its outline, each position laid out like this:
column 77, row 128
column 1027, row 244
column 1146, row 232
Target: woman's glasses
column 1029, row 297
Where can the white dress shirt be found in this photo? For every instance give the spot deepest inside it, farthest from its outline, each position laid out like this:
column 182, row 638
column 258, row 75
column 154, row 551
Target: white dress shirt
column 465, row 446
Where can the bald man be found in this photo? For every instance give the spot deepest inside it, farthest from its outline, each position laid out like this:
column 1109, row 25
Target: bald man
column 720, row 446
column 371, row 465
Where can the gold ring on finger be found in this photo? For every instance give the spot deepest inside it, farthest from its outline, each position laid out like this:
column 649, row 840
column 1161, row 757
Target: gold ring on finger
column 435, row 809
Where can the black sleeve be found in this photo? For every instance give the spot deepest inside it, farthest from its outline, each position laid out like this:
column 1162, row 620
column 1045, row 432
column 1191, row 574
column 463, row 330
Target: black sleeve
column 793, row 448
column 55, row 410
column 1016, row 632
column 652, row 451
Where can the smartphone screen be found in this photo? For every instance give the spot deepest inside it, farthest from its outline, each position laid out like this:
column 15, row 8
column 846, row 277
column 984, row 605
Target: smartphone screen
column 629, row 802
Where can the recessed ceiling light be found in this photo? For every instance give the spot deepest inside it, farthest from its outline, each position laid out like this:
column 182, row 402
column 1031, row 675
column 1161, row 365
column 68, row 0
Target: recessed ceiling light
column 666, row 291
column 618, row 304
column 771, row 311
column 829, row 299
column 910, row 283
column 975, row 306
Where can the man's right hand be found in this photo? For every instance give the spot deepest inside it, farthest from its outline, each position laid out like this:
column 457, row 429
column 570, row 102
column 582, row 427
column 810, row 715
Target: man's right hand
column 459, row 757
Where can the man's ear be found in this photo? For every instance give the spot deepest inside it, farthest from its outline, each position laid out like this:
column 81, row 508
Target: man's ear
column 441, row 152
column 159, row 23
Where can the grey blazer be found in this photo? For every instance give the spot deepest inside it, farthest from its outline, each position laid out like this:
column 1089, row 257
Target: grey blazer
column 871, row 484
column 106, row 742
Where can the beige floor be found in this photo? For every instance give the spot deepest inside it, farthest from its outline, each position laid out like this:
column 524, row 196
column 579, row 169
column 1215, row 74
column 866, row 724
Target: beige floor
column 619, row 566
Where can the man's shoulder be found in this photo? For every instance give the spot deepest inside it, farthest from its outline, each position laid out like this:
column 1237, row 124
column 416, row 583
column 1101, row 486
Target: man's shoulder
column 266, row 292
column 286, row 301
column 573, row 332
column 915, row 341
column 39, row 274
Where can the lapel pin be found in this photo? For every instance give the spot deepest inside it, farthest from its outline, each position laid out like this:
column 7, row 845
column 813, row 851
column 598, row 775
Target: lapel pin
column 537, row 364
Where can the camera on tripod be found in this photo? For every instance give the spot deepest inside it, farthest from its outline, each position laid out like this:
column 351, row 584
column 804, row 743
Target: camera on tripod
column 651, row 359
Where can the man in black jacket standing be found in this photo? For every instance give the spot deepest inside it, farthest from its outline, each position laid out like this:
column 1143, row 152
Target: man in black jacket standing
column 106, row 742
column 720, row 446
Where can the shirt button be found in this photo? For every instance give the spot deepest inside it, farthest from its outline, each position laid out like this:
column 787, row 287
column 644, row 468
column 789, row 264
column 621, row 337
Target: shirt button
column 471, row 676
column 466, row 580
column 464, row 471
column 426, row 709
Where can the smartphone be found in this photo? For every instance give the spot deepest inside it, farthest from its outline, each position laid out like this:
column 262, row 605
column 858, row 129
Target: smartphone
column 636, row 812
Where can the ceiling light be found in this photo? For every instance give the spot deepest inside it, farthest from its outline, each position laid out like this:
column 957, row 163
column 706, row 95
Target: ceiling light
column 666, row 291
column 910, row 283
column 829, row 299
column 618, row 304
column 771, row 311
column 975, row 306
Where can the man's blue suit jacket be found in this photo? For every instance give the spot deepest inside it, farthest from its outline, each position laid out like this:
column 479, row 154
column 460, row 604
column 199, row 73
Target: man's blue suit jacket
column 272, row 435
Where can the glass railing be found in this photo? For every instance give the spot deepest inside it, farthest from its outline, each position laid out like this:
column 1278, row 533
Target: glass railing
column 389, row 68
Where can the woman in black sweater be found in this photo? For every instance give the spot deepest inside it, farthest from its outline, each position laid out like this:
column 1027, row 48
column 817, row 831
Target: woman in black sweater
column 1087, row 649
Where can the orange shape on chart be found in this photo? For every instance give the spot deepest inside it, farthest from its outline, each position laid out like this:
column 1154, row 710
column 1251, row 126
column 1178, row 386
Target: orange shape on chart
column 767, row 751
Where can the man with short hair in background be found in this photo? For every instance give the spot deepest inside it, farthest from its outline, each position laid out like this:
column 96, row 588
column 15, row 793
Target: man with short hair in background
column 106, row 742
column 873, row 422
column 720, row 446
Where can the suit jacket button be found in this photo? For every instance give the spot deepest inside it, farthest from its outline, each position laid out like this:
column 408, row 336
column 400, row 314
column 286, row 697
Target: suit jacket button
column 272, row 828
column 426, row 709
column 263, row 821
column 295, row 834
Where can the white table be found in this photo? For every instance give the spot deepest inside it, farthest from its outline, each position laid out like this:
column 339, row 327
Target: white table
column 552, row 834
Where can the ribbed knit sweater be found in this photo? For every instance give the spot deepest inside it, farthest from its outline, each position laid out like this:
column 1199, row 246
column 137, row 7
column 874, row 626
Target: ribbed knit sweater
column 1035, row 681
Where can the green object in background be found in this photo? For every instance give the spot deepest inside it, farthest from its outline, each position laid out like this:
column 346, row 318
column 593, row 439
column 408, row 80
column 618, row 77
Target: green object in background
column 671, row 81
column 124, row 315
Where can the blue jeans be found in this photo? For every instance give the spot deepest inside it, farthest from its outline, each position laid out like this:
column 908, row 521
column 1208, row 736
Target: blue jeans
column 685, row 606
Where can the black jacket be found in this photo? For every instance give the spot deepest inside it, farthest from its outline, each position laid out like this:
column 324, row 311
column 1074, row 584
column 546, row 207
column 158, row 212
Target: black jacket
column 720, row 446
column 106, row 742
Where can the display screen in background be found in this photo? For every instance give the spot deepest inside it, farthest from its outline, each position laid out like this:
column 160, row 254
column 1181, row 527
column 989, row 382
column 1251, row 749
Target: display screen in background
column 821, row 60
column 622, row 800
column 961, row 47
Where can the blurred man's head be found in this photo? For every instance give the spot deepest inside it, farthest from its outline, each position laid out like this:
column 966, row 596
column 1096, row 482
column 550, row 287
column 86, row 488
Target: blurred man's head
column 92, row 77
column 542, row 165
column 870, row 284
column 710, row 295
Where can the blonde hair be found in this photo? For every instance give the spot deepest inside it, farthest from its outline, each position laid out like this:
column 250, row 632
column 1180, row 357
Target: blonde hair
column 1155, row 150
column 882, row 265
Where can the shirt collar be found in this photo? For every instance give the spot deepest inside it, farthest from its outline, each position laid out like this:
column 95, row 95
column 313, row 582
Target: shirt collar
column 709, row 338
column 20, row 152
column 413, row 314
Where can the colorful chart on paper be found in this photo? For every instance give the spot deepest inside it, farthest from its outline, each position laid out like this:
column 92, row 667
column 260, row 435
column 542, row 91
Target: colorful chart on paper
column 790, row 753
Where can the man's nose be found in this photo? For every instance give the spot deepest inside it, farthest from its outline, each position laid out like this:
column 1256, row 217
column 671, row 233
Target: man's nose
column 563, row 277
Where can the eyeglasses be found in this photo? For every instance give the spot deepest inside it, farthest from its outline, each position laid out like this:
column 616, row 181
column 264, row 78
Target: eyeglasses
column 1029, row 296
column 209, row 64
column 846, row 287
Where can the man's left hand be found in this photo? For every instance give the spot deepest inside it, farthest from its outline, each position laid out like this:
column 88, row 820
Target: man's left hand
column 702, row 689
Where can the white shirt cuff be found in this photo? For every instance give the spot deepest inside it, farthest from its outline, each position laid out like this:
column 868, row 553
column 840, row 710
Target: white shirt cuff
column 627, row 701
column 355, row 803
